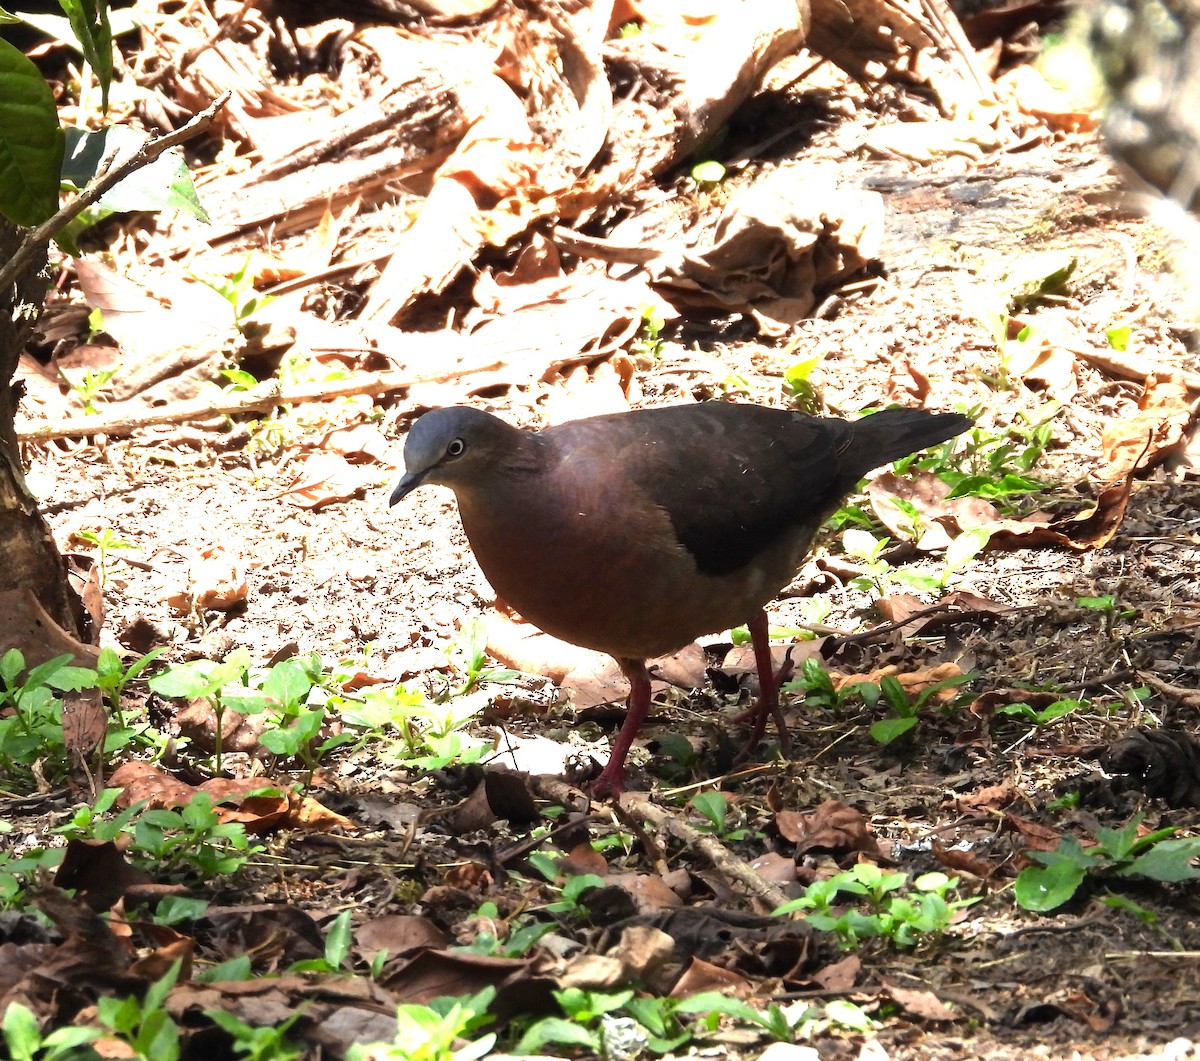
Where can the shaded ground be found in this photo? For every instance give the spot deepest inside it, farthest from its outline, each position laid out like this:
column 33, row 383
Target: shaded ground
column 1090, row 981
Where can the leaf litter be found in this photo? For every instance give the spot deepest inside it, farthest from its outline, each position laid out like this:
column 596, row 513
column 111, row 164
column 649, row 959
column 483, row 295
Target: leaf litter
column 436, row 859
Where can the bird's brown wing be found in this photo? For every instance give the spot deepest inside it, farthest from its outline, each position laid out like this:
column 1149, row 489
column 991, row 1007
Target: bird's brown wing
column 733, row 479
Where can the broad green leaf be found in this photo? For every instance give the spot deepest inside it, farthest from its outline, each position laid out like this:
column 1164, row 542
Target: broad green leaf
column 889, row 729
column 1046, row 888
column 165, row 184
column 1168, row 860
column 31, row 142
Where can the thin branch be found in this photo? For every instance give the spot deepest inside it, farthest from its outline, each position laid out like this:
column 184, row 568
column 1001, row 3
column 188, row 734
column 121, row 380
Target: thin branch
column 261, row 399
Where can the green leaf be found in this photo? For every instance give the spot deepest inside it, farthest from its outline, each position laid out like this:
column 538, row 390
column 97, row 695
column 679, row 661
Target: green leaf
column 1168, row 860
column 1045, row 888
column 889, row 729
column 708, row 172
column 713, row 805
column 21, row 1032
column 1118, row 338
column 555, row 1030
column 31, row 142
column 164, row 184
column 89, row 21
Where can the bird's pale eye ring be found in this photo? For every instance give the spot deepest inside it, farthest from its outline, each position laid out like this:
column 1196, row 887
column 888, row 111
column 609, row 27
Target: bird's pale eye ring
column 456, row 448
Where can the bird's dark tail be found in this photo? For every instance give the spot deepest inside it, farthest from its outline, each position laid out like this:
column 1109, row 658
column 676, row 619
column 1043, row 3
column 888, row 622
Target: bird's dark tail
column 890, row 434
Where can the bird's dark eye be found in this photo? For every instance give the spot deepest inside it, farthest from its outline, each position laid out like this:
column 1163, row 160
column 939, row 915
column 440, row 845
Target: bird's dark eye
column 456, row 448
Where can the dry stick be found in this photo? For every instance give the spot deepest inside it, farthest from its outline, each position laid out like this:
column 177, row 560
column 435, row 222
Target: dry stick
column 722, row 860
column 144, row 155
column 259, row 400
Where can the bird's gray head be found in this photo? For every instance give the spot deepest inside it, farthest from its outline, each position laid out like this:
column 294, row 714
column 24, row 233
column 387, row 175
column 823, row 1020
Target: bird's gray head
column 455, row 447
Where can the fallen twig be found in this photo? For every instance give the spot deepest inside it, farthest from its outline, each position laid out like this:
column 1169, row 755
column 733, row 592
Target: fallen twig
column 721, row 858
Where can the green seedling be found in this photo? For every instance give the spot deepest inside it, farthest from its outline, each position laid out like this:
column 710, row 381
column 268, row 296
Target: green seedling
column 1107, row 606
column 520, row 938
column 708, row 174
column 994, row 466
column 236, row 969
column 818, row 688
column 443, row 1030
column 470, row 657
column 1050, row 713
column 266, row 1043
column 571, row 889
column 192, row 839
column 1118, row 853
column 878, row 576
column 904, row 709
column 924, row 913
column 31, row 735
column 335, row 961
column 105, row 540
column 715, row 807
column 144, row 1024
column 798, row 384
column 112, row 676
column 428, row 735
column 238, row 290
column 89, row 386
column 649, row 343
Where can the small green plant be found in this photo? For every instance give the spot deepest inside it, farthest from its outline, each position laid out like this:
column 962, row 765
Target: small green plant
column 89, row 386
column 428, row 735
column 904, row 708
column 192, row 838
column 1050, row 713
column 994, row 466
column 1118, row 853
column 572, row 888
column 144, row 1024
column 906, row 920
column 516, row 942
column 715, row 807
column 335, row 960
column 289, row 691
column 443, row 1030
column 112, row 676
column 1107, row 607
column 708, row 173
column 797, row 382
column 267, row 1043
column 105, row 539
column 878, row 576
column 649, row 344
column 817, row 685
column 25, row 1040
column 470, row 657
column 31, row 732
column 238, row 290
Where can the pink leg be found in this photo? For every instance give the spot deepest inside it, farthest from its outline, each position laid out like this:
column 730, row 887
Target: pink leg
column 767, row 704
column 611, row 781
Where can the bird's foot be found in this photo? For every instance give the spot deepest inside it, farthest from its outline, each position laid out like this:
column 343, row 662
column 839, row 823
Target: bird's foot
column 610, row 783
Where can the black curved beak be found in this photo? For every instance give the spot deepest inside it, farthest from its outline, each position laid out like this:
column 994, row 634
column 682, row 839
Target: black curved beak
column 406, row 486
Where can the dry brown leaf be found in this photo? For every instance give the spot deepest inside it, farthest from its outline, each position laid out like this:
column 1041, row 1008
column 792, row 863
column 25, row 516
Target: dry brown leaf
column 324, row 479
column 1059, row 107
column 704, row 976
column 913, row 682
column 832, row 826
column 919, row 1001
column 1150, row 435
